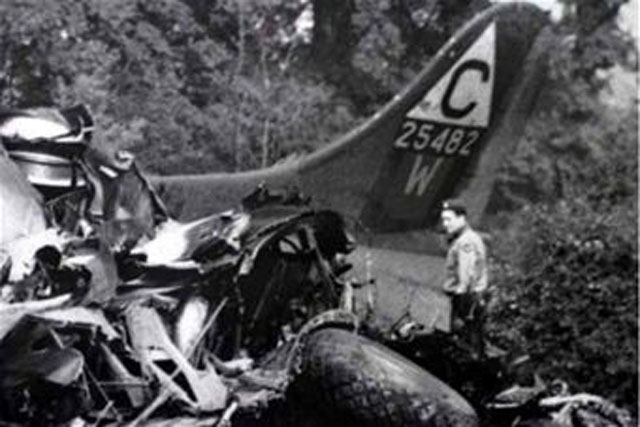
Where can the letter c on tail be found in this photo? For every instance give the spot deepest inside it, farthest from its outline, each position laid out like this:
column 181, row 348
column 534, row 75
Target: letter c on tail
column 447, row 108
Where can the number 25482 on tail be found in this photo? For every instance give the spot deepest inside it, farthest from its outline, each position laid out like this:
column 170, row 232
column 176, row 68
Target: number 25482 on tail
column 437, row 138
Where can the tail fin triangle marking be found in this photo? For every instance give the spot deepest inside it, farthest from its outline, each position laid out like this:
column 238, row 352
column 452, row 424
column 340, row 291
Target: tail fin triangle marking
column 463, row 95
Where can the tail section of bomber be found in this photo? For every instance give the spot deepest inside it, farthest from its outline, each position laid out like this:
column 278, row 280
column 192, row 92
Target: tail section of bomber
column 443, row 136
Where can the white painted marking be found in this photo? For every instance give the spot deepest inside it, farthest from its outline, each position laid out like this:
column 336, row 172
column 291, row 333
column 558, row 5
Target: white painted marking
column 420, row 176
column 463, row 95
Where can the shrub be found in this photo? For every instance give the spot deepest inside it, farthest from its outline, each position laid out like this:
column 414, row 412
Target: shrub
column 566, row 294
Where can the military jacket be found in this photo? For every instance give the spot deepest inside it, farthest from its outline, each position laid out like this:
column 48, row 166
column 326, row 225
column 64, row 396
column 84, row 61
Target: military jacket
column 466, row 264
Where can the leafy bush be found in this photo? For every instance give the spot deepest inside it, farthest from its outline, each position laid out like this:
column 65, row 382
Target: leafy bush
column 566, row 256
column 566, row 294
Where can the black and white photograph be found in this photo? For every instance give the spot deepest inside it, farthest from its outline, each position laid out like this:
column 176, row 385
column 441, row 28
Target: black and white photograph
column 319, row 213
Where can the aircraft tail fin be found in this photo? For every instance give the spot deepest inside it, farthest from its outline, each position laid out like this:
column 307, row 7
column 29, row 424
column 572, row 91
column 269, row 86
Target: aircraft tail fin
column 444, row 136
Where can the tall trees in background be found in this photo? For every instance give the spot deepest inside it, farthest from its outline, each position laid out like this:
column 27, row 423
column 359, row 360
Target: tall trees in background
column 194, row 86
column 220, row 85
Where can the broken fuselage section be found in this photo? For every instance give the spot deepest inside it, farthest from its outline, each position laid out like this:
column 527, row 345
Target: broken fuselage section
column 126, row 314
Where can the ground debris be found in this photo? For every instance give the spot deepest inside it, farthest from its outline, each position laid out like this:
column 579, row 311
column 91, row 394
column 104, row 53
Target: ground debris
column 114, row 313
column 132, row 318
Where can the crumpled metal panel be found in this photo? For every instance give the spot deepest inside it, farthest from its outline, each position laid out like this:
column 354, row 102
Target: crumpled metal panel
column 21, row 212
column 22, row 359
column 152, row 342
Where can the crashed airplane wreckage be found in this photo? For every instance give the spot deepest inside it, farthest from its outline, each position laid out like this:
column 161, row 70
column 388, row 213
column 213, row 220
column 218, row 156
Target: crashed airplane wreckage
column 113, row 313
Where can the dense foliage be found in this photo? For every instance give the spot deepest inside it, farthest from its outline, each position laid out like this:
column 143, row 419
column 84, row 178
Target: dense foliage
column 567, row 294
column 566, row 248
column 197, row 85
column 193, row 86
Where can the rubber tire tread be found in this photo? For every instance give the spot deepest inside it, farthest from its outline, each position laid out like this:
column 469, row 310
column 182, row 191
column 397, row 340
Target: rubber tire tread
column 349, row 380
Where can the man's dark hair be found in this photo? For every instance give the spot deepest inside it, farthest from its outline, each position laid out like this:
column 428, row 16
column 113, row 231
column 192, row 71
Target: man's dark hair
column 454, row 205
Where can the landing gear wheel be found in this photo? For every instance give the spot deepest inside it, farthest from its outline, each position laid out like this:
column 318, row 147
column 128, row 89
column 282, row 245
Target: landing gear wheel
column 349, row 380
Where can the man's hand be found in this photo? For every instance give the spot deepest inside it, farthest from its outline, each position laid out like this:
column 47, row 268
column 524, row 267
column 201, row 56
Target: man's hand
column 450, row 287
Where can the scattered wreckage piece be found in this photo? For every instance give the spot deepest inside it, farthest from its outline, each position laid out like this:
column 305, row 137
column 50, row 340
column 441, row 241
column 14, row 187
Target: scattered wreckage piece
column 175, row 241
column 80, row 315
column 21, row 208
column 584, row 409
column 551, row 404
column 11, row 313
column 133, row 386
column 153, row 344
column 43, row 377
column 192, row 318
column 493, row 385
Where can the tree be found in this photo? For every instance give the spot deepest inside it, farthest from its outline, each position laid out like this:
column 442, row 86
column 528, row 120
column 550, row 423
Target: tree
column 192, row 86
column 566, row 251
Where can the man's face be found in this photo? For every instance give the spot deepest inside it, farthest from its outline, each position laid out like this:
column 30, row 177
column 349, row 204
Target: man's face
column 452, row 222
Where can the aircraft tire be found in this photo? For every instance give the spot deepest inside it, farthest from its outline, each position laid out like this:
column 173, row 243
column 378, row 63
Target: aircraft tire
column 348, row 380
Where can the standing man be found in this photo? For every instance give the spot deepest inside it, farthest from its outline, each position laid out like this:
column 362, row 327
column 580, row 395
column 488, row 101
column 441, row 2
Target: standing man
column 466, row 274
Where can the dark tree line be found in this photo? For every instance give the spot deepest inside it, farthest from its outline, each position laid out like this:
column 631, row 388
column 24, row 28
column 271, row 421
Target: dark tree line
column 219, row 85
column 565, row 213
column 199, row 85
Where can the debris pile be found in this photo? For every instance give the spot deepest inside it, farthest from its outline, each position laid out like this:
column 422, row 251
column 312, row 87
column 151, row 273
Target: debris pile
column 111, row 312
